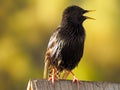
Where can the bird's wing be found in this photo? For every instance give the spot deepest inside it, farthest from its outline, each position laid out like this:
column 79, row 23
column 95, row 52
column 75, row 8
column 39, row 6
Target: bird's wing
column 53, row 39
column 50, row 51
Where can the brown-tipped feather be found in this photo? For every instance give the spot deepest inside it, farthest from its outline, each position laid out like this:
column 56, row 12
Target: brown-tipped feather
column 46, row 69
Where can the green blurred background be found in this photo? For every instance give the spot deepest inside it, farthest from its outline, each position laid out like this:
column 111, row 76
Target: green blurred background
column 25, row 29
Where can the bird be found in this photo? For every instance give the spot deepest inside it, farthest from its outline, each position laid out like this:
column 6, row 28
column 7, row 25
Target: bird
column 66, row 45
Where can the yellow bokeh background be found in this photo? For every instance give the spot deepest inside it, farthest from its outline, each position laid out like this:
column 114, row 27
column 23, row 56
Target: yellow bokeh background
column 25, row 29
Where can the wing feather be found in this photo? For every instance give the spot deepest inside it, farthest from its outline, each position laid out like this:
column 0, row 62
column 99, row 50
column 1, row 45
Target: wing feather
column 51, row 50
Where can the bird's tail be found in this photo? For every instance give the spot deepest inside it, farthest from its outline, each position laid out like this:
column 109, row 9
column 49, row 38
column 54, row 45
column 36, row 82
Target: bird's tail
column 46, row 69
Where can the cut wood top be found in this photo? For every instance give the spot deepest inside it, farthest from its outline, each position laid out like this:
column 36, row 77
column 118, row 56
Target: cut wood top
column 40, row 84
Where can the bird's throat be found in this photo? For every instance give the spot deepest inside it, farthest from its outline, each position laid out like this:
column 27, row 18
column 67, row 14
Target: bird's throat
column 69, row 31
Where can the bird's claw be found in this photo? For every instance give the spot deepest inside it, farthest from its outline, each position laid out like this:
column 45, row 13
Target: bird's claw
column 52, row 79
column 75, row 79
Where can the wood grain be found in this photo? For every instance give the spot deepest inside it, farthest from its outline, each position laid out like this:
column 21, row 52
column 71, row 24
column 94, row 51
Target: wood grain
column 40, row 84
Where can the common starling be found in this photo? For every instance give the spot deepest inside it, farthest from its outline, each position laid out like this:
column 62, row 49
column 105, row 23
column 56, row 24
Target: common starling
column 66, row 45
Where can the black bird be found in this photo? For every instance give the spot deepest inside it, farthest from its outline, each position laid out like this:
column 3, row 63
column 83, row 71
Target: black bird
column 66, row 45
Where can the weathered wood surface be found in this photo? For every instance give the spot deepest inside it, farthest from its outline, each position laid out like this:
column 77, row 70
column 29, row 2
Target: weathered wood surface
column 40, row 84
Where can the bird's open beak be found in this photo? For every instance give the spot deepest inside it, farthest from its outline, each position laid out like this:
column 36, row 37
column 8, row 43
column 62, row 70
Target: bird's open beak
column 87, row 11
column 90, row 10
column 90, row 18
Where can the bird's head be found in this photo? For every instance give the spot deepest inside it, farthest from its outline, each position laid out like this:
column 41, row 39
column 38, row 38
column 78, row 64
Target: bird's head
column 75, row 15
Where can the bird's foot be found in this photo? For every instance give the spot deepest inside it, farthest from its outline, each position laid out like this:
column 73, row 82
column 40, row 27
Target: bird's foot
column 53, row 76
column 75, row 79
column 52, row 79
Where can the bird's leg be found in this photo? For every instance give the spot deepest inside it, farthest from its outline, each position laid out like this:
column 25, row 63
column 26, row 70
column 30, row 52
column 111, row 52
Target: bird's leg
column 53, row 76
column 65, row 75
column 75, row 79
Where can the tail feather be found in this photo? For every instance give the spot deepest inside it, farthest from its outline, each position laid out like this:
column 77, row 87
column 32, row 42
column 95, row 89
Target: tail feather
column 46, row 69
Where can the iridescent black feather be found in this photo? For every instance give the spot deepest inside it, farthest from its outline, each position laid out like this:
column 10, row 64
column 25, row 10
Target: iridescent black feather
column 66, row 45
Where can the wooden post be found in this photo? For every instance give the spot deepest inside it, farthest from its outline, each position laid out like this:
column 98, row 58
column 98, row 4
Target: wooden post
column 40, row 84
